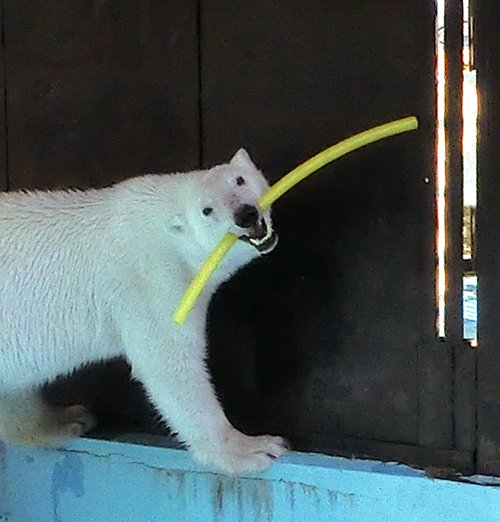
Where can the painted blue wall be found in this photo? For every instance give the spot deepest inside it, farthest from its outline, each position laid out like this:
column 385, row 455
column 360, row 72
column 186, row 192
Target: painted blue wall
column 93, row 480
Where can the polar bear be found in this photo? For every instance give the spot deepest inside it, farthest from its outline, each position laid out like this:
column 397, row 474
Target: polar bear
column 89, row 275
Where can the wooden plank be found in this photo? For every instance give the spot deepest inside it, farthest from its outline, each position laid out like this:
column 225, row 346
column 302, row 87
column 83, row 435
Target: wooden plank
column 333, row 323
column 454, row 168
column 465, row 398
column 464, row 358
column 99, row 91
column 435, row 406
column 487, row 18
column 4, row 175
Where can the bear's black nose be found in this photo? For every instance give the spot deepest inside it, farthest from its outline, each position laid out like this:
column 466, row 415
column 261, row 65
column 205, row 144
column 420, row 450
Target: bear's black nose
column 246, row 216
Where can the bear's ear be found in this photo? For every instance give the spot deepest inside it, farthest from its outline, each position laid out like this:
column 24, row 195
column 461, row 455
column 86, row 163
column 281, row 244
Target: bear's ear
column 176, row 225
column 242, row 159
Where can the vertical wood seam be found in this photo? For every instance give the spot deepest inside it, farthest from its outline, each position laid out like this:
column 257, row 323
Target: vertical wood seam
column 5, row 105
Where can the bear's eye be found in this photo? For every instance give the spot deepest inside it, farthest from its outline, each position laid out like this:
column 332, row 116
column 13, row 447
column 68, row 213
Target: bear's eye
column 207, row 211
column 240, row 181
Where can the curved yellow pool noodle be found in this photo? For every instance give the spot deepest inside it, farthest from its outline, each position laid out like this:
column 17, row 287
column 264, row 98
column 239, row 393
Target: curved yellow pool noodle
column 281, row 187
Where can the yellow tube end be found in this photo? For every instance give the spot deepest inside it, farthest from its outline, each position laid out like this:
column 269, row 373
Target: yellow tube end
column 334, row 152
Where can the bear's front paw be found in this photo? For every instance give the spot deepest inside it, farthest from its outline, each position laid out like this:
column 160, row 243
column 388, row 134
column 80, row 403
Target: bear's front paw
column 240, row 453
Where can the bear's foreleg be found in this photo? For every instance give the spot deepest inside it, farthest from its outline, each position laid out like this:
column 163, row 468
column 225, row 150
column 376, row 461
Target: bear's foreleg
column 176, row 378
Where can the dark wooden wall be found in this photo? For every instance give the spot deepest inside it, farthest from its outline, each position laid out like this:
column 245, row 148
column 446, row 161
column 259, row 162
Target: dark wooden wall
column 330, row 333
column 98, row 91
column 330, row 340
column 488, row 376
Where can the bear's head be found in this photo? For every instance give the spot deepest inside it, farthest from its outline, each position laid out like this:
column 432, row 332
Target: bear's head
column 225, row 199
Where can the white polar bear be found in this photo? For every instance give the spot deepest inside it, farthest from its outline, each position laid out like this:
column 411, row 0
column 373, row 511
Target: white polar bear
column 89, row 275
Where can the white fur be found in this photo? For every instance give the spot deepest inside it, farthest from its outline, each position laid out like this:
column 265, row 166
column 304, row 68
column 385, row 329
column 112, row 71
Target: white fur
column 87, row 275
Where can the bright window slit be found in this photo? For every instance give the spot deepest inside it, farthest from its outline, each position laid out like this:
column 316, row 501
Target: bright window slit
column 469, row 145
column 469, row 151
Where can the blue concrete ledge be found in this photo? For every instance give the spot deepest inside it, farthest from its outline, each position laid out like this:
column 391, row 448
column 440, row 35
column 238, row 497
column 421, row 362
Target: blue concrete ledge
column 95, row 480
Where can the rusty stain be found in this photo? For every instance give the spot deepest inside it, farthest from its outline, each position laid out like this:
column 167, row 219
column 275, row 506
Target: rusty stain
column 332, row 496
column 225, row 492
column 335, row 496
column 291, row 487
column 351, row 499
column 261, row 494
column 313, row 494
column 180, row 481
column 179, row 478
column 309, row 490
column 240, row 497
column 243, row 493
column 218, row 496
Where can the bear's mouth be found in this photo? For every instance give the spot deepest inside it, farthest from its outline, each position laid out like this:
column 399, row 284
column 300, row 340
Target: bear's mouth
column 262, row 237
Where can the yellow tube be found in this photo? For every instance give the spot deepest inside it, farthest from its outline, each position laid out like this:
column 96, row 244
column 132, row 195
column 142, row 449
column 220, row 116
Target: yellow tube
column 334, row 152
column 281, row 187
column 198, row 283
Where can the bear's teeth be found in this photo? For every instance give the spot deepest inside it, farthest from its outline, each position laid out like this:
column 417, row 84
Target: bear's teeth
column 260, row 241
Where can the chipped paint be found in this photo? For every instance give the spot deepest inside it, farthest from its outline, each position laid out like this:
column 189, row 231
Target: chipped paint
column 67, row 476
column 29, row 459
